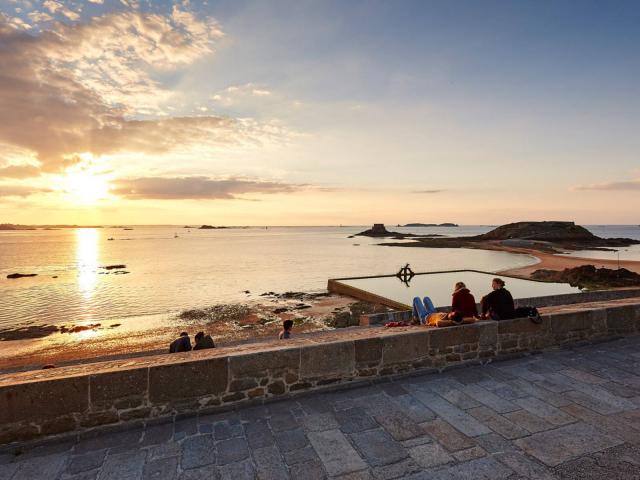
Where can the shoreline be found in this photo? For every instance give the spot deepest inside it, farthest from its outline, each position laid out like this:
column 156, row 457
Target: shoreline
column 229, row 324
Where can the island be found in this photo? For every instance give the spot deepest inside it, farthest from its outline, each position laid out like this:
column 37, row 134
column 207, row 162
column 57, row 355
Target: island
column 430, row 225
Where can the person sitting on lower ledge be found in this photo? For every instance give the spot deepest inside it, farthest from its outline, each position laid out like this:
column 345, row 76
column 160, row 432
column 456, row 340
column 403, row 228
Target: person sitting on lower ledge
column 181, row 344
column 203, row 341
column 287, row 325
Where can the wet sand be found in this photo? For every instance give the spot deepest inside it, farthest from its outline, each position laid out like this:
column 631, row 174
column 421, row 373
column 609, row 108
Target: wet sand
column 549, row 261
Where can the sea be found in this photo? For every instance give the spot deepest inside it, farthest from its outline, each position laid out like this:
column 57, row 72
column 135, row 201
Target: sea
column 173, row 268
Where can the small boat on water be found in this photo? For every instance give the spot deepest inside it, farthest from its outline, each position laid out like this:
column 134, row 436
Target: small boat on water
column 110, row 238
column 175, row 235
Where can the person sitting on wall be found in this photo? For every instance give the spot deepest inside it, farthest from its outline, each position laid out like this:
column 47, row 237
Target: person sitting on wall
column 425, row 312
column 498, row 305
column 203, row 341
column 463, row 301
column 181, row 344
column 287, row 325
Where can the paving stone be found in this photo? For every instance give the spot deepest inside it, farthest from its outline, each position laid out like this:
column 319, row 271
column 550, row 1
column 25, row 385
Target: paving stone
column 224, row 430
column 335, row 452
column 469, row 454
column 45, row 467
column 156, row 434
column 198, row 451
column 430, row 455
column 528, row 421
column 243, row 470
column 413, row 442
column 289, row 440
column 494, row 443
column 361, row 475
column 92, row 475
column 595, row 391
column 258, row 434
column 161, row 469
column 487, row 468
column 86, row 461
column 592, row 403
column 525, row 466
column 581, row 376
column 489, row 399
column 553, row 447
column 301, row 455
column 7, row 470
column 448, row 436
column 103, row 440
column 461, row 420
column 378, row 448
column 123, row 466
column 269, row 464
column 208, row 472
column 185, row 427
column 498, row 423
column 311, row 470
column 354, row 420
column 609, row 425
column 317, row 422
column 396, row 470
column 545, row 411
column 467, row 376
column 393, row 389
column 532, row 390
column 631, row 418
column 399, row 425
column 455, row 396
column 255, row 413
column 283, row 421
column 624, row 391
column 413, row 408
column 621, row 462
column 169, row 449
column 232, row 450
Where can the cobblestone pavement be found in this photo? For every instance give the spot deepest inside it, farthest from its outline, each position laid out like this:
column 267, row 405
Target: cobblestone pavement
column 563, row 414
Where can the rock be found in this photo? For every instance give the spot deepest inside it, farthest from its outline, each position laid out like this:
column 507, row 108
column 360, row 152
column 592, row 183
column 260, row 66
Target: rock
column 21, row 275
column 114, row 267
column 588, row 276
column 280, row 310
column 380, row 231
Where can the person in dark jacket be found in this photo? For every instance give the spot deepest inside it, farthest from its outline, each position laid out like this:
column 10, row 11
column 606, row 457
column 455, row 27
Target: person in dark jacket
column 181, row 344
column 203, row 341
column 498, row 305
column 463, row 301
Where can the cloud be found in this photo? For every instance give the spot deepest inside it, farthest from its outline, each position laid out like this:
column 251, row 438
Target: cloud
column 20, row 191
column 163, row 188
column 427, row 191
column 84, row 87
column 632, row 185
column 19, row 171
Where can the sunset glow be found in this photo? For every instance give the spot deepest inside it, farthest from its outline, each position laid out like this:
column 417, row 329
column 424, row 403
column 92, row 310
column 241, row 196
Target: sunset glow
column 170, row 112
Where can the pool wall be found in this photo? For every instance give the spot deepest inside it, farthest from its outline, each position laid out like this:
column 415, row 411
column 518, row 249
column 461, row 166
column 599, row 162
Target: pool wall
column 338, row 285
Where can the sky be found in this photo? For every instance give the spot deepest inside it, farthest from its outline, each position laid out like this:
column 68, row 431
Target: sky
column 319, row 112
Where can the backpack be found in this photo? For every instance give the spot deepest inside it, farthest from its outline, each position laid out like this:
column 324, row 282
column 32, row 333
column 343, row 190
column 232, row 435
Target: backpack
column 529, row 312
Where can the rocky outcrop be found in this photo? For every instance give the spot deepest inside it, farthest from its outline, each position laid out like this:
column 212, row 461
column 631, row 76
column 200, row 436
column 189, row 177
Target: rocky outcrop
column 21, row 275
column 380, row 231
column 588, row 276
column 430, row 225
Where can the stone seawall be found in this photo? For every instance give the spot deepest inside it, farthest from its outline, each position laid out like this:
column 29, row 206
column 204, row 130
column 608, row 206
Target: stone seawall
column 76, row 398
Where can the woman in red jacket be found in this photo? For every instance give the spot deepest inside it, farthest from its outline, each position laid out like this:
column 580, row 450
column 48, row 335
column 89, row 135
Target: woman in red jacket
column 463, row 302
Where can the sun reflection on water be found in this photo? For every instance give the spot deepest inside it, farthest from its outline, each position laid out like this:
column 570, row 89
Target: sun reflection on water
column 87, row 247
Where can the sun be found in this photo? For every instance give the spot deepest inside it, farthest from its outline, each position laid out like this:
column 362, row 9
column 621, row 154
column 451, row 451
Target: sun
column 85, row 186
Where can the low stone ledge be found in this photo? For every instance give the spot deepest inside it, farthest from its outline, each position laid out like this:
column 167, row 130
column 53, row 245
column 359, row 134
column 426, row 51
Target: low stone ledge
column 72, row 399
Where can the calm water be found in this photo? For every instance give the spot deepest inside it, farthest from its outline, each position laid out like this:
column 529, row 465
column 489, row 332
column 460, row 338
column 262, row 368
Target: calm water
column 199, row 268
